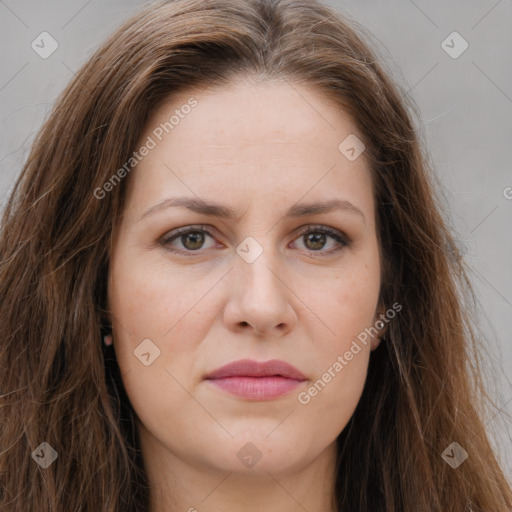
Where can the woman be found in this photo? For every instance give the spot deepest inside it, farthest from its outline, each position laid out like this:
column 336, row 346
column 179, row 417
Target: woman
column 228, row 285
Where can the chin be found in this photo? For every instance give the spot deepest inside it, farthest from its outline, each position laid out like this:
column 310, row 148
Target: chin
column 253, row 454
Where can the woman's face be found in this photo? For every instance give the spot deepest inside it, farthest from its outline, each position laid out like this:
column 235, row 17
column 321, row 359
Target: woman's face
column 247, row 282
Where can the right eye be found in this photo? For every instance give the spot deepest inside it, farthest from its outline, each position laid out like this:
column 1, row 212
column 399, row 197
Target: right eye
column 192, row 239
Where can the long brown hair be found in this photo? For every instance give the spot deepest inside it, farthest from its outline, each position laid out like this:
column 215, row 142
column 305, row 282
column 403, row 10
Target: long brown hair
column 60, row 385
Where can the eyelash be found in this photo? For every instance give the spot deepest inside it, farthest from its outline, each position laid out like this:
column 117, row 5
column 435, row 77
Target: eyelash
column 342, row 240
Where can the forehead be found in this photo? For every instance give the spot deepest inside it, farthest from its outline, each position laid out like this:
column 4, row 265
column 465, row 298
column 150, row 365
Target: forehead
column 249, row 138
column 254, row 113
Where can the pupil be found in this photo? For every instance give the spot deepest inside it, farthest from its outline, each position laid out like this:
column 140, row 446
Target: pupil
column 318, row 239
column 198, row 240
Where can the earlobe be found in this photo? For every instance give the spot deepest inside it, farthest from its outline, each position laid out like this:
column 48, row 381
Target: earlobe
column 381, row 325
column 376, row 341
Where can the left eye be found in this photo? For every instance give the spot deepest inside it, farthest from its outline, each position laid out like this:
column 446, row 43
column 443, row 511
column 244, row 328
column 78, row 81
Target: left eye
column 193, row 238
column 317, row 236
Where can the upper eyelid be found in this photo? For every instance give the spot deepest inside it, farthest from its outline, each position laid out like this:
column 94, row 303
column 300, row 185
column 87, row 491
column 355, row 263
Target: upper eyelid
column 300, row 231
column 211, row 231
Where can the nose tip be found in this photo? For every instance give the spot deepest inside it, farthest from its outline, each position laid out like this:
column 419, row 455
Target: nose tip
column 256, row 331
column 260, row 303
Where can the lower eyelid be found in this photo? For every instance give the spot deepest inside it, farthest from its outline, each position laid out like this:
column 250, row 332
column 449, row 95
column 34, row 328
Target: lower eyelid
column 166, row 240
column 341, row 240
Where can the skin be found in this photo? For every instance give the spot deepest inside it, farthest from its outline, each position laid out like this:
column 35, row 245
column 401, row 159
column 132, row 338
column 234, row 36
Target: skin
column 258, row 148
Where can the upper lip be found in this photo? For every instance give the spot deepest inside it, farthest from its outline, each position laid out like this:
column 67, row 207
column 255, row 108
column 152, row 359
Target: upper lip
column 251, row 368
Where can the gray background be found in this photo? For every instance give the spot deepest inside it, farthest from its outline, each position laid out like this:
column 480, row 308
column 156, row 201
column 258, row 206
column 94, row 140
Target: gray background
column 465, row 105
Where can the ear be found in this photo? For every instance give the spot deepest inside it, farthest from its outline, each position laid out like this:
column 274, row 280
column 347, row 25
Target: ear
column 106, row 319
column 380, row 322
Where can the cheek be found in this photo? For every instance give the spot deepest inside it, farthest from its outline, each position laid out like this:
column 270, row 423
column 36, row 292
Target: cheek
column 347, row 305
column 341, row 357
column 356, row 298
column 335, row 394
column 344, row 303
column 157, row 331
column 152, row 301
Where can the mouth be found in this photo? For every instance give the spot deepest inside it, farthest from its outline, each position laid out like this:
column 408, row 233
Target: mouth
column 253, row 380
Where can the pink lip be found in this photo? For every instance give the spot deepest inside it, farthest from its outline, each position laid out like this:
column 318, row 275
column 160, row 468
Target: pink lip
column 257, row 381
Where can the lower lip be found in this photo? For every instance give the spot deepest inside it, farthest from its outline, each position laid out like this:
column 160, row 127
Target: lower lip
column 257, row 388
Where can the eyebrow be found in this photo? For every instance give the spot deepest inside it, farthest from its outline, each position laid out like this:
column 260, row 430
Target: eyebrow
column 214, row 209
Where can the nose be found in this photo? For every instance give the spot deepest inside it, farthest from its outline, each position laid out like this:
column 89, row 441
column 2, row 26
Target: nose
column 259, row 299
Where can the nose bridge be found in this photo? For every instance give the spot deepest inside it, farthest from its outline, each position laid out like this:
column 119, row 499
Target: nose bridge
column 257, row 269
column 259, row 298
